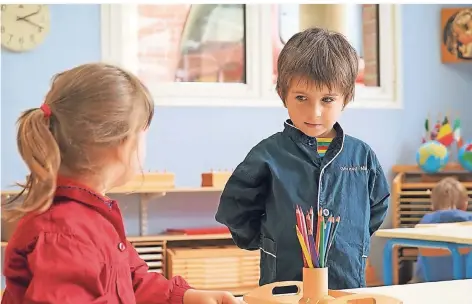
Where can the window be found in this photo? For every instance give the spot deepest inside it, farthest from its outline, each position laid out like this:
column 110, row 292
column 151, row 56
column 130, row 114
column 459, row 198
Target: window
column 191, row 43
column 360, row 23
column 226, row 54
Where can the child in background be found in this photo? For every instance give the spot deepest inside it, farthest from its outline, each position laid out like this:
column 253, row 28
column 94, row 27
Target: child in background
column 70, row 244
column 312, row 163
column 449, row 200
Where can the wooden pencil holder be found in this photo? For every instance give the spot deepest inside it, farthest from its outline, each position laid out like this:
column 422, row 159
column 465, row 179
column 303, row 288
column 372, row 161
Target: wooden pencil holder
column 315, row 286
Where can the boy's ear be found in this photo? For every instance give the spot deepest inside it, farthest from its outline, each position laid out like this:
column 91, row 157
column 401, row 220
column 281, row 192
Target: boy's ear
column 279, row 92
column 347, row 100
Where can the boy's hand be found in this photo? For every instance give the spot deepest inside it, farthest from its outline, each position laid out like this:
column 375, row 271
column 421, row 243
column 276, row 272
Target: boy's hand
column 193, row 296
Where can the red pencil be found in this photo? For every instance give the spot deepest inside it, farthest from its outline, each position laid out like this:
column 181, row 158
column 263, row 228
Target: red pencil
column 311, row 217
column 304, row 228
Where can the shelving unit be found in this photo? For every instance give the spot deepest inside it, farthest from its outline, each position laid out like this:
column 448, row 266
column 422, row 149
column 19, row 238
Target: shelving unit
column 148, row 187
column 153, row 254
column 225, row 266
column 411, row 200
column 209, row 261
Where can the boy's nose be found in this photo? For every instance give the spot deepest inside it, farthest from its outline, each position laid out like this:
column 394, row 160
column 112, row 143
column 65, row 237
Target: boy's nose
column 317, row 110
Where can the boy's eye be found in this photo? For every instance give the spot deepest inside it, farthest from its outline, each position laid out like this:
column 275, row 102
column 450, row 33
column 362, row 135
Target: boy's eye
column 301, row 98
column 328, row 99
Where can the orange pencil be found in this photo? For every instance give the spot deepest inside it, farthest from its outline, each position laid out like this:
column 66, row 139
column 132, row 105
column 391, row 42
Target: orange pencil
column 318, row 230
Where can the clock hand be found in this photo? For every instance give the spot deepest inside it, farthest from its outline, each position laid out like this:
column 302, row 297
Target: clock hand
column 33, row 23
column 29, row 15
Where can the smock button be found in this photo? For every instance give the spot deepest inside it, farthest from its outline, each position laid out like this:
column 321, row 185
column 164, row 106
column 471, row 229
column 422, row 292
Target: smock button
column 121, row 247
column 325, row 212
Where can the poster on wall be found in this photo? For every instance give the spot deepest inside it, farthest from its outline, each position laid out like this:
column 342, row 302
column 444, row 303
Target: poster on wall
column 456, row 35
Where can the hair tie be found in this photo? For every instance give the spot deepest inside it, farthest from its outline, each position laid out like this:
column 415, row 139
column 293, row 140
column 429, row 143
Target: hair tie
column 46, row 110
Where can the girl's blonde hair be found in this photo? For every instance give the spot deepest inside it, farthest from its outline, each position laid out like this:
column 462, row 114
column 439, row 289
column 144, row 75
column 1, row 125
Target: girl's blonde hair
column 449, row 193
column 91, row 107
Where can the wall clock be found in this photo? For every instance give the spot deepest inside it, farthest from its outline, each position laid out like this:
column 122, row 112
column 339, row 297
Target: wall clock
column 24, row 26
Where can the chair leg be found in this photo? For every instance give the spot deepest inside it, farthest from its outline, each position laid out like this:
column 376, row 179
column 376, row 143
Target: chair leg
column 425, row 270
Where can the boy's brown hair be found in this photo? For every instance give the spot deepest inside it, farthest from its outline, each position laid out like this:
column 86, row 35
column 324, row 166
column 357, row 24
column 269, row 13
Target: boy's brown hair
column 449, row 193
column 93, row 109
column 323, row 57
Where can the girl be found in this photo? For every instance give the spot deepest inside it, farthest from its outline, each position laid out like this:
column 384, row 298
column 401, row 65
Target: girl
column 70, row 244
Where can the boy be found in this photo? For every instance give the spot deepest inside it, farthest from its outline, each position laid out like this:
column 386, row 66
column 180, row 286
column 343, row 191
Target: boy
column 311, row 163
column 449, row 200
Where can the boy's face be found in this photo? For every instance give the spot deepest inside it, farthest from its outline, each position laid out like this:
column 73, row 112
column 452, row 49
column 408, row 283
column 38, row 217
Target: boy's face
column 313, row 111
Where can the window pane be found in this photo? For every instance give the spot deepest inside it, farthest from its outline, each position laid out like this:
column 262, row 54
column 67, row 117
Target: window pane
column 360, row 24
column 192, row 43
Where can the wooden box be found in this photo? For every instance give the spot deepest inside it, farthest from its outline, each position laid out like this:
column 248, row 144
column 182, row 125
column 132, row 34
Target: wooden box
column 216, row 268
column 215, row 179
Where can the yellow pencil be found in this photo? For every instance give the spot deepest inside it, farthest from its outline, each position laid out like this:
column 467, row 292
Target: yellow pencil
column 304, row 248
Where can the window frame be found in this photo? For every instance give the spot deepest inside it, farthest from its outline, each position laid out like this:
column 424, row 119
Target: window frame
column 119, row 24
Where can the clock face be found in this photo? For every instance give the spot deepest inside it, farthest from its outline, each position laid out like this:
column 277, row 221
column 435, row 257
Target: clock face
column 24, row 26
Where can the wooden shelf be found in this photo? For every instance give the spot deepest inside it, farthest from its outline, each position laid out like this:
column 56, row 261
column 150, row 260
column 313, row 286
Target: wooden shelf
column 142, row 190
column 169, row 190
column 172, row 237
column 149, row 186
column 179, row 237
column 148, row 183
column 451, row 167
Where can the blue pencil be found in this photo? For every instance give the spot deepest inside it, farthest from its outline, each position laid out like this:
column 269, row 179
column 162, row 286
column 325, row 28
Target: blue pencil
column 327, row 233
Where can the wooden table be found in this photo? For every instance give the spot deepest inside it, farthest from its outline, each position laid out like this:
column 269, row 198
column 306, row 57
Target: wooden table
column 446, row 236
column 457, row 292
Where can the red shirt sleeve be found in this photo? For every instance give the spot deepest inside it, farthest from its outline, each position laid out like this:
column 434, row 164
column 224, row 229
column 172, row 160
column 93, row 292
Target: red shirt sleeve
column 64, row 270
column 152, row 287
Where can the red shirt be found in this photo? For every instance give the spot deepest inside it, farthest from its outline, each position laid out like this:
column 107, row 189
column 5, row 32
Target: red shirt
column 77, row 252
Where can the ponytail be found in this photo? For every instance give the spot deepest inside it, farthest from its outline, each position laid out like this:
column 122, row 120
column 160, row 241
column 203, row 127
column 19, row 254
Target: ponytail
column 40, row 152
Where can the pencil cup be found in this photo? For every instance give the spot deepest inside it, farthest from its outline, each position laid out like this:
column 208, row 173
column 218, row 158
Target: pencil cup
column 315, row 286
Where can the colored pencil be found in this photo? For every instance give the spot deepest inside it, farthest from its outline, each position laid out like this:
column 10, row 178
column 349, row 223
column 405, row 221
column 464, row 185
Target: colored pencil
column 299, row 224
column 315, row 245
column 304, row 248
column 327, row 233
column 333, row 233
column 322, row 238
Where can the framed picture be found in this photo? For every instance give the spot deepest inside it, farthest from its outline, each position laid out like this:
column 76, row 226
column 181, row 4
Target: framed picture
column 456, row 35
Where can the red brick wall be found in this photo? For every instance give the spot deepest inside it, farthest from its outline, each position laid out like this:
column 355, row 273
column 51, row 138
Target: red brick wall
column 370, row 43
column 160, row 28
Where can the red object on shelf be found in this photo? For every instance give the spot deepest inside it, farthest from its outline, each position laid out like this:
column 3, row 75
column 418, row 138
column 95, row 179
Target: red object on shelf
column 197, row 231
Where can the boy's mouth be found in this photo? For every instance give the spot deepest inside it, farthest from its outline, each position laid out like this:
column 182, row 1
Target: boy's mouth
column 313, row 125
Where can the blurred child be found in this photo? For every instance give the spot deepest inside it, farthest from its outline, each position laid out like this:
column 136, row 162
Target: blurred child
column 70, row 244
column 312, row 163
column 449, row 200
